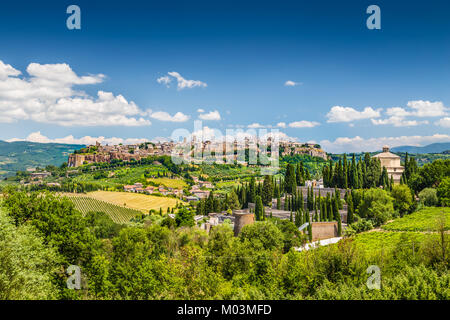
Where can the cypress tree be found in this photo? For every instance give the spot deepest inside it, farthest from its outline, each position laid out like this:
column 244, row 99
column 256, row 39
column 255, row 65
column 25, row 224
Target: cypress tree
column 350, row 209
column 339, row 227
column 259, row 210
column 290, row 179
column 267, row 191
column 316, row 217
column 310, row 232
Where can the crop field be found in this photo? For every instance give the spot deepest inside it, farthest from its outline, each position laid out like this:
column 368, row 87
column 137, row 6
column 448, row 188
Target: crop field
column 169, row 183
column 137, row 201
column 117, row 213
column 422, row 220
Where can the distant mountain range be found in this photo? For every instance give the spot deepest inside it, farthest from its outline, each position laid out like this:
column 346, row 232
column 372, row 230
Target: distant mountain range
column 431, row 148
column 21, row 155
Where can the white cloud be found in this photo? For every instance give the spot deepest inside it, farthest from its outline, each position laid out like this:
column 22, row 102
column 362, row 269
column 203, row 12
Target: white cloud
column 164, row 116
column 200, row 110
column 303, row 124
column 281, row 124
column 48, row 96
column 427, row 108
column 6, row 70
column 444, row 122
column 86, row 140
column 358, row 144
column 212, row 115
column 164, row 80
column 255, row 125
column 348, row 114
column 182, row 83
column 398, row 122
column 291, row 83
column 418, row 108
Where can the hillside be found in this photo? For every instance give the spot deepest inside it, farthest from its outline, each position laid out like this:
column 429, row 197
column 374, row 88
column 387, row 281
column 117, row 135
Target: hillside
column 21, row 155
column 431, row 148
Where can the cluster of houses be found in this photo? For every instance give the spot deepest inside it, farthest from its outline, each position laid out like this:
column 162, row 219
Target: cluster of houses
column 120, row 152
column 197, row 191
column 139, row 188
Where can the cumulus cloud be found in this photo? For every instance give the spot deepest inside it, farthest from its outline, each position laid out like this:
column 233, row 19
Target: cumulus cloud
column 444, row 122
column 281, row 124
column 212, row 115
column 303, row 124
column 358, row 144
column 47, row 95
column 291, row 83
column 418, row 109
column 200, row 110
column 422, row 108
column 86, row 140
column 164, row 116
column 348, row 114
column 182, row 83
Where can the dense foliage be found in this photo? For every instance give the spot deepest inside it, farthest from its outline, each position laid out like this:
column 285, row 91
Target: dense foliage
column 172, row 260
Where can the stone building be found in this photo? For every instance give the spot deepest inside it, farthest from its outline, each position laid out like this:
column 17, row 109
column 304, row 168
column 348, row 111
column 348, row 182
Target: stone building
column 392, row 163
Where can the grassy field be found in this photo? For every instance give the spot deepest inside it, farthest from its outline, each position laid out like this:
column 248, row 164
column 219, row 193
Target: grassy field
column 117, row 213
column 169, row 183
column 422, row 220
column 136, row 201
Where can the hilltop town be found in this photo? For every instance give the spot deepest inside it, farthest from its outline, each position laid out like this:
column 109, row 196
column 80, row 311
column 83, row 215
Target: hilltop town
column 106, row 153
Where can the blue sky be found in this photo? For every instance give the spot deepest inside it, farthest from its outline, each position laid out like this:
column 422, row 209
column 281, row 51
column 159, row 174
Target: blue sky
column 354, row 89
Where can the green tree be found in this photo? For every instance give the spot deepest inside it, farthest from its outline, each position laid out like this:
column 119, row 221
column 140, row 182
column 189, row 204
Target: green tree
column 184, row 218
column 27, row 265
column 402, row 198
column 267, row 191
column 262, row 235
column 350, row 209
column 377, row 206
column 259, row 209
column 428, row 197
column 290, row 180
column 443, row 192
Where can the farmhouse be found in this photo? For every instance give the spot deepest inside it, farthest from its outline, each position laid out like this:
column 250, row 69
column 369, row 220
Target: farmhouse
column 200, row 193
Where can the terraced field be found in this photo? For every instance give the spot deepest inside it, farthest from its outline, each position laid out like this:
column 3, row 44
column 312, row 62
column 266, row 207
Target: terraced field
column 117, row 213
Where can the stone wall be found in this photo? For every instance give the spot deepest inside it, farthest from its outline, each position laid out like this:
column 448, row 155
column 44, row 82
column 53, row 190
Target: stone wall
column 324, row 230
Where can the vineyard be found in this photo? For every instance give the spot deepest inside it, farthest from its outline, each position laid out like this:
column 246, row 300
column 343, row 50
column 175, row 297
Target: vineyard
column 117, row 213
column 422, row 220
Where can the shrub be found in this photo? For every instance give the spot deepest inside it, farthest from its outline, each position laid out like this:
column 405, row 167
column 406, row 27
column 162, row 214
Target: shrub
column 428, row 197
